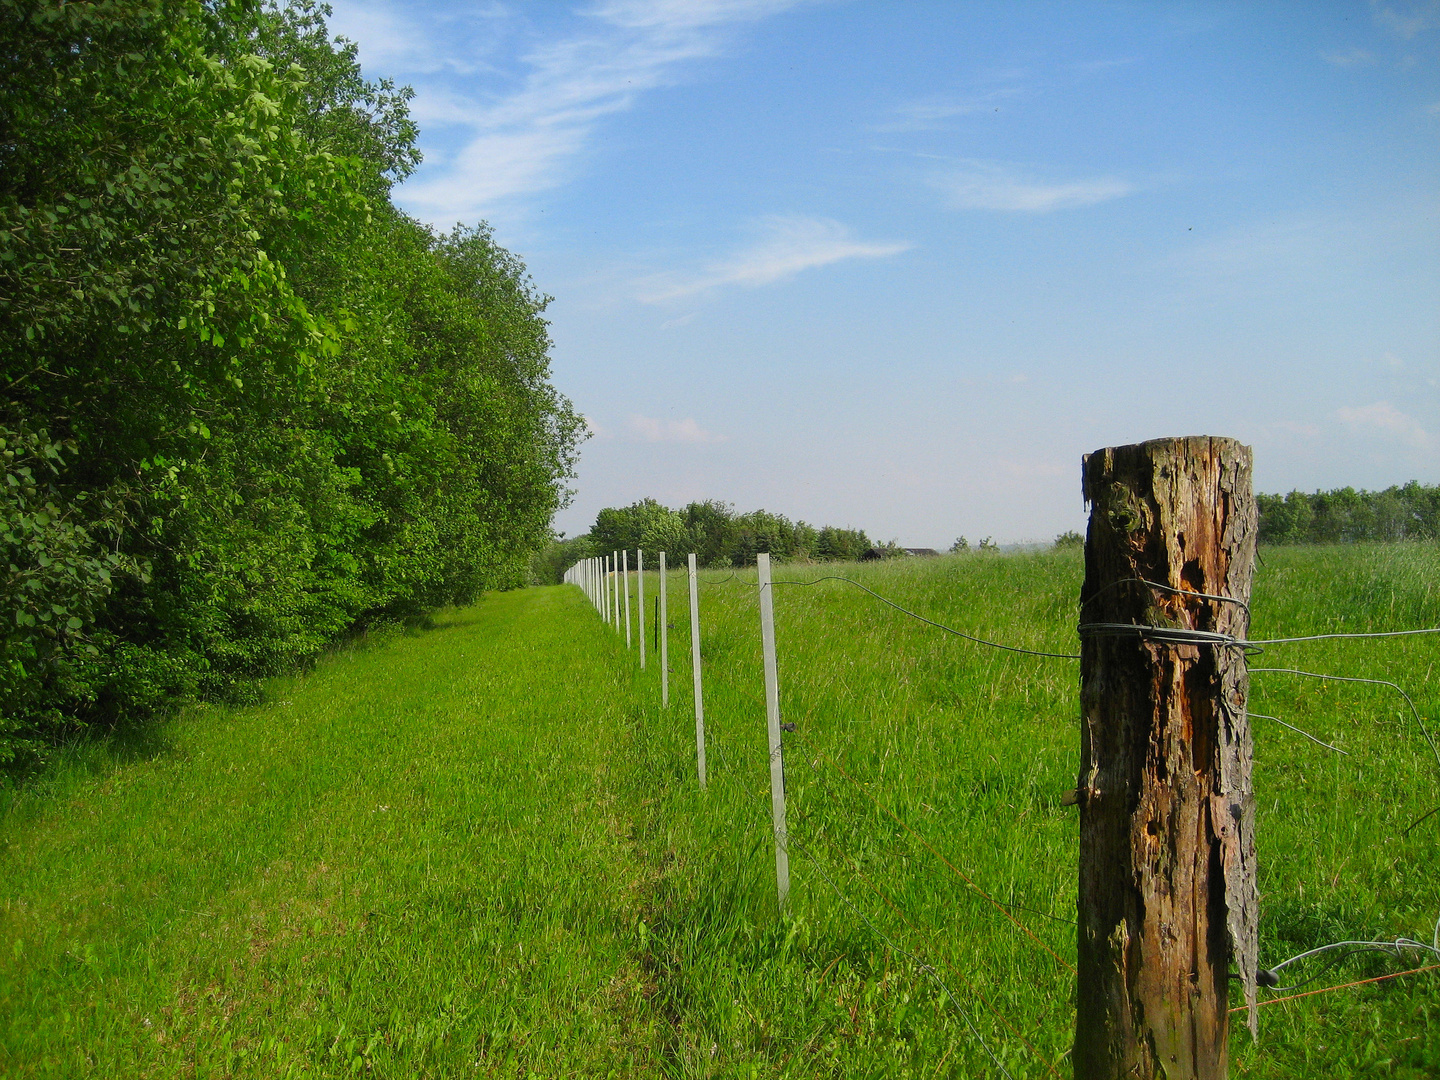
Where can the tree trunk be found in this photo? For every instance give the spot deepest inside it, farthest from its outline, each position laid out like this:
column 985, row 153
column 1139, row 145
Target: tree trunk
column 1167, row 850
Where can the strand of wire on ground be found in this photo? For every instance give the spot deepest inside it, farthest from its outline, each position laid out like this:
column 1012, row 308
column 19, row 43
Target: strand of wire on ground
column 925, row 968
column 1343, row 986
column 1392, row 948
column 1352, row 947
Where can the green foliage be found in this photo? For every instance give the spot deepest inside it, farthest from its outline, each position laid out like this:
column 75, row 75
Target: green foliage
column 298, row 408
column 1070, row 539
column 59, row 571
column 1411, row 512
column 548, row 565
column 840, row 545
column 645, row 524
column 717, row 535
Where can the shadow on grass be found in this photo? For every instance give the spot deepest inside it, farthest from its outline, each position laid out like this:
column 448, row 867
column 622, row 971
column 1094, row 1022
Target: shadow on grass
column 50, row 773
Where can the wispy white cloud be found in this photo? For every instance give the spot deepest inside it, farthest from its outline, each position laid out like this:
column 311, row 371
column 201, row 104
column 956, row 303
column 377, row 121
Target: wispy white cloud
column 788, row 245
column 933, row 113
column 1389, row 421
column 988, row 185
column 527, row 140
column 391, row 38
column 649, row 429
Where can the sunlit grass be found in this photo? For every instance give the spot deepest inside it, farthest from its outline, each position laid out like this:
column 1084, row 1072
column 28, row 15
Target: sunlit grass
column 972, row 749
column 481, row 850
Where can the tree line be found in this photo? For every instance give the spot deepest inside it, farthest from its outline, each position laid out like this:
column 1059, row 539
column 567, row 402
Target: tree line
column 713, row 530
column 1344, row 515
column 246, row 404
column 720, row 537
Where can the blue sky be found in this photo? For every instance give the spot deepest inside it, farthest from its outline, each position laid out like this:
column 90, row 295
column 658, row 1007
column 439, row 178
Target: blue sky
column 900, row 265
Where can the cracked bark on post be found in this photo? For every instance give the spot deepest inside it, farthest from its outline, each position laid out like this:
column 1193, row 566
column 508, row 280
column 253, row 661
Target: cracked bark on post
column 1167, row 847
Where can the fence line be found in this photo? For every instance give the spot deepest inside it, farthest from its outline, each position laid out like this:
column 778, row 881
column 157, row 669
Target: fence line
column 784, row 840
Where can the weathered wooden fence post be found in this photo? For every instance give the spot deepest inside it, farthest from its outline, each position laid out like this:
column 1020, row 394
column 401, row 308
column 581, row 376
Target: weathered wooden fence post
column 1167, row 847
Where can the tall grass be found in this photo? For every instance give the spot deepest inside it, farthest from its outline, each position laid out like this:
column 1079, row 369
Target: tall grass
column 481, row 849
column 970, row 749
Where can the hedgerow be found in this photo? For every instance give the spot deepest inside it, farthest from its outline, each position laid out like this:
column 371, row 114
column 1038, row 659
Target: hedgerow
column 246, row 404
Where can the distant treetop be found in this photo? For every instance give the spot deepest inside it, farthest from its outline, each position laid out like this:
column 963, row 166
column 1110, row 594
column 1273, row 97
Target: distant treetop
column 1411, row 512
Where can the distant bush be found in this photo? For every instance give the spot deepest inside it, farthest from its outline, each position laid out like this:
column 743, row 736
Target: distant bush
column 1070, row 539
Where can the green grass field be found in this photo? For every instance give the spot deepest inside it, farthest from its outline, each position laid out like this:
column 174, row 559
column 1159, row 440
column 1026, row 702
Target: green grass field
column 479, row 849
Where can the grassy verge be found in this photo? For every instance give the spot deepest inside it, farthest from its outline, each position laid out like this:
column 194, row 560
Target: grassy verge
column 480, row 850
column 414, row 861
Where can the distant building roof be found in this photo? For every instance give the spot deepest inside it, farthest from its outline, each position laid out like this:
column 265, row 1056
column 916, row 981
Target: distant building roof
column 920, row 551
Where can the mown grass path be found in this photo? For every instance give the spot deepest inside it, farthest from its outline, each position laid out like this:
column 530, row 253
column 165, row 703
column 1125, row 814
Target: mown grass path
column 414, row 860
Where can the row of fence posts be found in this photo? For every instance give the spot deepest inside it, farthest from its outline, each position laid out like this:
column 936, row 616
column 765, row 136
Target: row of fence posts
column 605, row 579
column 1167, row 894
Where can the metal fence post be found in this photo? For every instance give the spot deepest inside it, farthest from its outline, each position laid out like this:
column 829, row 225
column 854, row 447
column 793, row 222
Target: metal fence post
column 772, row 717
column 695, row 667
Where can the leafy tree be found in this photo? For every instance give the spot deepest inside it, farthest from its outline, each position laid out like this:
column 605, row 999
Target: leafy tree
column 1411, row 512
column 645, row 524
column 247, row 403
column 717, row 535
column 711, row 525
column 840, row 545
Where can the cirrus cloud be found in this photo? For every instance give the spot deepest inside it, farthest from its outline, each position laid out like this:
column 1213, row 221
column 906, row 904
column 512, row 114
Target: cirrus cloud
column 788, row 244
column 650, row 429
column 990, row 185
column 528, row 137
